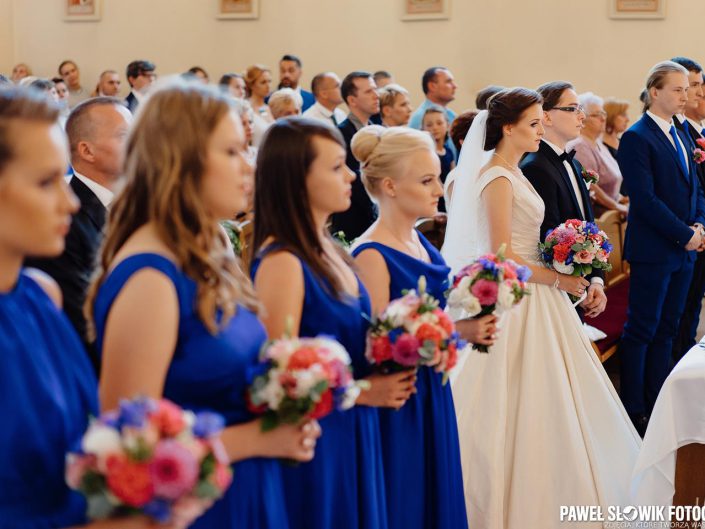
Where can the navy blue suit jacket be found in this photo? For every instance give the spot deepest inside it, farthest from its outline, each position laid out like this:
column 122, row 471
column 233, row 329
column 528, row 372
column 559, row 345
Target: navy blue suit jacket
column 664, row 200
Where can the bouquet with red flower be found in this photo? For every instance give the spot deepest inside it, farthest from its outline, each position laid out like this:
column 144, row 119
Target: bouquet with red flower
column 299, row 379
column 576, row 248
column 590, row 177
column 490, row 285
column 149, row 457
column 699, row 151
column 413, row 331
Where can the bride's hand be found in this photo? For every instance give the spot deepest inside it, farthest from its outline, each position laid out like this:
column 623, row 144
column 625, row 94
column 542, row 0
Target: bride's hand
column 480, row 331
column 572, row 284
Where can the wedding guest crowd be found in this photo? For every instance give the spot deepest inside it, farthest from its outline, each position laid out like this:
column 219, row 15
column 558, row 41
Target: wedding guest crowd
column 118, row 279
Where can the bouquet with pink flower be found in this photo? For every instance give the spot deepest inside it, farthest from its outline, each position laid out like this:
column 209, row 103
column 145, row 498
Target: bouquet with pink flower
column 413, row 331
column 299, row 379
column 491, row 285
column 576, row 248
column 149, row 457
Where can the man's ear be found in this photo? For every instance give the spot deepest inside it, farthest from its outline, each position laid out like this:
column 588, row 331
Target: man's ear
column 547, row 119
column 85, row 151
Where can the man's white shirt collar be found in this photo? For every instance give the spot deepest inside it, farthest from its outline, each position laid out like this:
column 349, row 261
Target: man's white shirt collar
column 104, row 194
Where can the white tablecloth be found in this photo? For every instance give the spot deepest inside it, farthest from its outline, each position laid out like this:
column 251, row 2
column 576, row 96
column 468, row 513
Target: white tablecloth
column 678, row 419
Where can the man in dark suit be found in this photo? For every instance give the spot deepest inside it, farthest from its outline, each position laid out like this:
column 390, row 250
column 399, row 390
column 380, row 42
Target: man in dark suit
column 557, row 177
column 690, row 125
column 360, row 94
column 666, row 212
column 140, row 75
column 97, row 132
column 290, row 77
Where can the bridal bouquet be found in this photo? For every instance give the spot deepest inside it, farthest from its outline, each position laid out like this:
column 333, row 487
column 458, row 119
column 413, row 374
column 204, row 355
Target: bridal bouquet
column 413, row 331
column 490, row 285
column 576, row 248
column 149, row 457
column 301, row 378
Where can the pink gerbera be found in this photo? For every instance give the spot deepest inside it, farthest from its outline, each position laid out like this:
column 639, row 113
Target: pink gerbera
column 485, row 291
column 174, row 470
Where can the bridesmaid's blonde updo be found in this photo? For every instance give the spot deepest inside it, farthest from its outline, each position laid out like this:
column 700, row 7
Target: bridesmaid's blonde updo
column 380, row 150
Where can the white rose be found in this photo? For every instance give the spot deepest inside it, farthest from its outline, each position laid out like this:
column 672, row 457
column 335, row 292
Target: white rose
column 272, row 393
column 397, row 313
column 562, row 268
column 101, row 440
column 505, row 297
column 350, row 397
column 472, row 306
column 307, row 379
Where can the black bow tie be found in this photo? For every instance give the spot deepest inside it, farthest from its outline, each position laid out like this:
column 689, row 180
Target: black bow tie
column 567, row 156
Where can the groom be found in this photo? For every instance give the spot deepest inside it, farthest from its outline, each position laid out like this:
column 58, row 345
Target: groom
column 557, row 177
column 666, row 212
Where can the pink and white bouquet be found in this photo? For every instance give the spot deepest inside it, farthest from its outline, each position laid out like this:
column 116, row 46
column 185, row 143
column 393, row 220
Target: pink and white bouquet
column 149, row 457
column 413, row 331
column 491, row 285
column 576, row 247
column 299, row 379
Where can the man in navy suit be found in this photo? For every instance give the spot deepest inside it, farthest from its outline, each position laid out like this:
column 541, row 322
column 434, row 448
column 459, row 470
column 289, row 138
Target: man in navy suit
column 664, row 230
column 290, row 76
column 557, row 176
column 97, row 132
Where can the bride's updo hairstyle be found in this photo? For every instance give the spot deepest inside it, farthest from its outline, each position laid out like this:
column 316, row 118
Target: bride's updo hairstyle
column 506, row 108
column 380, row 150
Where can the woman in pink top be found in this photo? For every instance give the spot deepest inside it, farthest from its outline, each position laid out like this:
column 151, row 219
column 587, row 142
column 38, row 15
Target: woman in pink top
column 593, row 155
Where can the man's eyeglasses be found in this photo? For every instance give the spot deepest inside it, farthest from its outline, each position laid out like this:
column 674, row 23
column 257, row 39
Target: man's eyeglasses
column 577, row 109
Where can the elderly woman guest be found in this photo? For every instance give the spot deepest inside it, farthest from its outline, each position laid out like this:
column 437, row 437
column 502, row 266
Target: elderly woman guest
column 285, row 103
column 258, row 83
column 616, row 123
column 394, row 106
column 594, row 156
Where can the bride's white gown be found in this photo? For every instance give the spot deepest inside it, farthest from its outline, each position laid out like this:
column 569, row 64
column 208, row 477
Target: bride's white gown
column 540, row 423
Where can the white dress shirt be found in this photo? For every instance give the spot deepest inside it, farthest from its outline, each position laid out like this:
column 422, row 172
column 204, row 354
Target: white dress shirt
column 665, row 127
column 104, row 194
column 321, row 113
column 696, row 125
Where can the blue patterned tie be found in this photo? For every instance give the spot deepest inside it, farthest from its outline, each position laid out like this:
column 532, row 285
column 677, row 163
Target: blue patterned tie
column 679, row 150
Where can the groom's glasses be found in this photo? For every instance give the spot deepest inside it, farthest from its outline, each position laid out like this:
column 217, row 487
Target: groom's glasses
column 577, row 109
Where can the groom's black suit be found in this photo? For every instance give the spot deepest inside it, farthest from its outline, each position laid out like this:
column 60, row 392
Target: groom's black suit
column 546, row 172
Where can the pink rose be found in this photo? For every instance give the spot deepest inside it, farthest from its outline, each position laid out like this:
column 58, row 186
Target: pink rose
column 583, row 257
column 406, row 350
column 174, row 470
column 602, row 256
column 485, row 291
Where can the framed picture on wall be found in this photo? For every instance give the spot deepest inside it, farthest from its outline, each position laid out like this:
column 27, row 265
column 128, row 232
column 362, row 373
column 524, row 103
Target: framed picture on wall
column 633, row 9
column 82, row 10
column 425, row 9
column 234, row 9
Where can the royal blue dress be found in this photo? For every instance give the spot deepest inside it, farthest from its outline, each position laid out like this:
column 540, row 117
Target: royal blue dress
column 47, row 394
column 343, row 487
column 421, row 454
column 208, row 372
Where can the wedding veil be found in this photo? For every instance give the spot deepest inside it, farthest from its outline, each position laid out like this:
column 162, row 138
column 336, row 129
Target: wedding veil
column 463, row 240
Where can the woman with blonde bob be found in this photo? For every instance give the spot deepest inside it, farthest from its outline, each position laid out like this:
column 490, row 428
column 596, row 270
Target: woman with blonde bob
column 420, row 451
column 174, row 314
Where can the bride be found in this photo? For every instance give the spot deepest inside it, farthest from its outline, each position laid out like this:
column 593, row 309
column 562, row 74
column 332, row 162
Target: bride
column 540, row 424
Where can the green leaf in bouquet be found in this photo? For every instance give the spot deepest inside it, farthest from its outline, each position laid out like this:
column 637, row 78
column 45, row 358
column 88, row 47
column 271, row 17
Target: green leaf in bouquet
column 428, row 350
column 207, row 490
column 269, row 421
column 99, row 506
column 577, row 247
column 319, row 389
column 92, row 483
column 207, row 466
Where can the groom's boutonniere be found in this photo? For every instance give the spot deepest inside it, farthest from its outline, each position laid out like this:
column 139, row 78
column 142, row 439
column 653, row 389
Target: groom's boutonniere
column 591, row 177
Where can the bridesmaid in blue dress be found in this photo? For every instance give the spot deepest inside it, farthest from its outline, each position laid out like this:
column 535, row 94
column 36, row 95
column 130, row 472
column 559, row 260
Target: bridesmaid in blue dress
column 174, row 315
column 308, row 287
column 420, row 441
column 48, row 389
